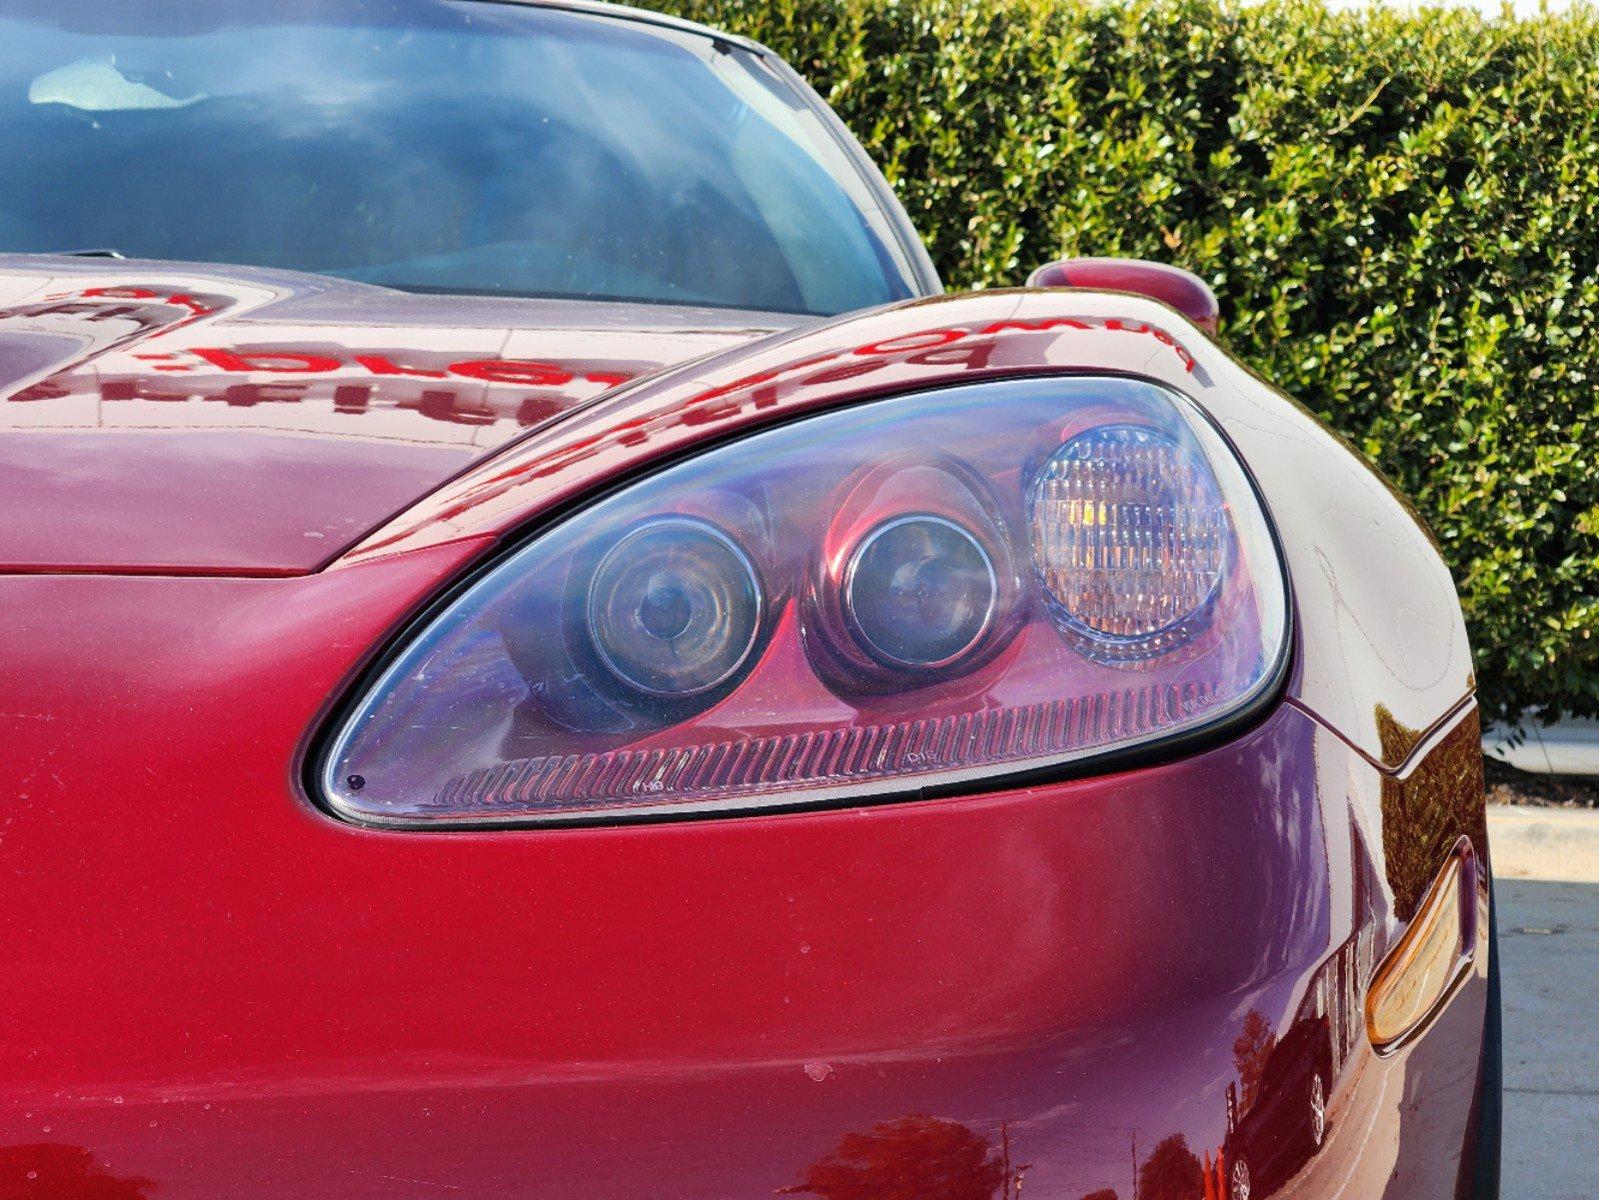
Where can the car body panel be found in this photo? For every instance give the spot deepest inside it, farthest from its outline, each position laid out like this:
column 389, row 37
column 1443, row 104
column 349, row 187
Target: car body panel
column 252, row 422
column 212, row 985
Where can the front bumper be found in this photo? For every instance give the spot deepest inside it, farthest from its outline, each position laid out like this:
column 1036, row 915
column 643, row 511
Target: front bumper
column 213, row 988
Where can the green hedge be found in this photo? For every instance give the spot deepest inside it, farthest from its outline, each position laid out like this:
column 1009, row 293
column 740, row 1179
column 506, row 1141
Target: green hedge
column 1400, row 212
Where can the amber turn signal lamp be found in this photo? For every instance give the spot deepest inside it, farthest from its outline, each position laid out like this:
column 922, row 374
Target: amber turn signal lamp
column 1430, row 959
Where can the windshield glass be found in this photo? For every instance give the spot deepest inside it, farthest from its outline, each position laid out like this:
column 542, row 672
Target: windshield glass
column 433, row 145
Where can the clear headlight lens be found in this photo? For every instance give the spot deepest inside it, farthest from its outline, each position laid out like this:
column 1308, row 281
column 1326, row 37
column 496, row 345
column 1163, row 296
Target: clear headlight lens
column 905, row 595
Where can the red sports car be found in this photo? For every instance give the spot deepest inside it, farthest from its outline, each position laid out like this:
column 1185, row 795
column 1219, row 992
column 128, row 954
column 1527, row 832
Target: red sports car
column 543, row 656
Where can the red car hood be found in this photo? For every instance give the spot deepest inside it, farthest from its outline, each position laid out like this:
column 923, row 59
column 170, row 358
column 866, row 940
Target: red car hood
column 157, row 418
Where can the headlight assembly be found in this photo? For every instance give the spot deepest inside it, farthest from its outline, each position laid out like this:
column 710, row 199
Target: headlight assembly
column 898, row 597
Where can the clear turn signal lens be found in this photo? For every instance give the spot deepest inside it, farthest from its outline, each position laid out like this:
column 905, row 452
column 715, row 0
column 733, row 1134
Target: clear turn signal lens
column 1131, row 539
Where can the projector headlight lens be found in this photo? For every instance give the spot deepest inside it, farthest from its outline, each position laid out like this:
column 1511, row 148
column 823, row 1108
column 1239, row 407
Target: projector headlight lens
column 920, row 591
column 674, row 608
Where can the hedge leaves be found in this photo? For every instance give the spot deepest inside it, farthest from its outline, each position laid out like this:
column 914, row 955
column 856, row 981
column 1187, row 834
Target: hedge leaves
column 1400, row 212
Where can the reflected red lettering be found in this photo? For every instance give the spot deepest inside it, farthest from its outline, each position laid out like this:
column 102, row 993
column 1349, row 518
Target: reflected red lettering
column 380, row 365
column 118, row 293
column 281, row 364
column 510, row 370
column 1040, row 326
column 913, row 341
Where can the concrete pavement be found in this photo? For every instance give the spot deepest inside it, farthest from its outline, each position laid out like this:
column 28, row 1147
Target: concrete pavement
column 1549, row 940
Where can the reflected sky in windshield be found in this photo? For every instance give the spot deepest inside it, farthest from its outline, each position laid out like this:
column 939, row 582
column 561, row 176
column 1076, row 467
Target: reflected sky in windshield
column 446, row 146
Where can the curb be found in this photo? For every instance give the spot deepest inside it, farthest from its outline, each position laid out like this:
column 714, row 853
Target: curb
column 1569, row 747
column 1558, row 845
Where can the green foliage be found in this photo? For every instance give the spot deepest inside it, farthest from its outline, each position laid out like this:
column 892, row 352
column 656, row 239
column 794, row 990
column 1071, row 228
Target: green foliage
column 1399, row 210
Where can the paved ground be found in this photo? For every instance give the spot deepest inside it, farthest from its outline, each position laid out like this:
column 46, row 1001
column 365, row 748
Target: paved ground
column 1549, row 937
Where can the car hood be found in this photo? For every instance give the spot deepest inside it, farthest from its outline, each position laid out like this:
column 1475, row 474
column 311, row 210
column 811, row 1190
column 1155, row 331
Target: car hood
column 201, row 419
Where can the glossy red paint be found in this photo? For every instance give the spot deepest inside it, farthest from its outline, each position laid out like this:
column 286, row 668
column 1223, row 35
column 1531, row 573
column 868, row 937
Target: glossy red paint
column 202, row 970
column 1183, row 290
column 214, row 988
column 246, row 422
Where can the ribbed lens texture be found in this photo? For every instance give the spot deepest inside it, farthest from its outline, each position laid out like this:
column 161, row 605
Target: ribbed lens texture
column 930, row 590
column 673, row 608
column 1130, row 539
column 712, row 770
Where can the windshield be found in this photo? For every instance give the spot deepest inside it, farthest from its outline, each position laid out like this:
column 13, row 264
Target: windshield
column 433, row 145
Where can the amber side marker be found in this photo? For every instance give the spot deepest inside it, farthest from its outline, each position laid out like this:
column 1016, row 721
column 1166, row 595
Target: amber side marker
column 1431, row 959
